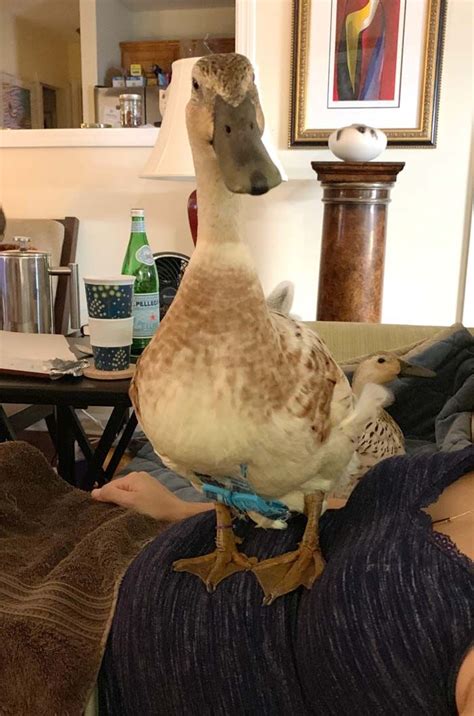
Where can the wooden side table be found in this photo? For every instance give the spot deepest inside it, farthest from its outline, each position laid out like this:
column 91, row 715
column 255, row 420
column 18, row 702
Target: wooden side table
column 356, row 195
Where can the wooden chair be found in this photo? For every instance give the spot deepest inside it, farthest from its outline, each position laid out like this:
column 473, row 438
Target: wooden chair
column 68, row 255
column 14, row 418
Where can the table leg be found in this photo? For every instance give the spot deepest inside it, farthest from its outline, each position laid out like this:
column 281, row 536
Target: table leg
column 80, row 435
column 6, row 428
column 95, row 471
column 121, row 446
column 50, row 421
column 65, row 445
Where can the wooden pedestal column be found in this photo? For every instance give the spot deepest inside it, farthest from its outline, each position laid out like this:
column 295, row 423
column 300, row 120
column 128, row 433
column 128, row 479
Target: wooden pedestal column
column 355, row 199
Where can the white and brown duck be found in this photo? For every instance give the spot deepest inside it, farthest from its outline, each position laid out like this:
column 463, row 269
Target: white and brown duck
column 382, row 437
column 247, row 403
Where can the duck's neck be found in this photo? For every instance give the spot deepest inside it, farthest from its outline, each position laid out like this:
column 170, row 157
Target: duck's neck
column 218, row 208
column 359, row 380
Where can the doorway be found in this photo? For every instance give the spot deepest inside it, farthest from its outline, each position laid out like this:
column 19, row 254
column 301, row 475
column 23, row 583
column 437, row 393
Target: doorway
column 50, row 112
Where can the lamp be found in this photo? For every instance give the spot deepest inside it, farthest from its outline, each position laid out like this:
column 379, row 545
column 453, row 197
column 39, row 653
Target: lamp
column 171, row 158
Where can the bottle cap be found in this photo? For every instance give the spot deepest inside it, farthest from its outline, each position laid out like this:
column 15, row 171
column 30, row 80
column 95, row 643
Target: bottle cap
column 138, row 212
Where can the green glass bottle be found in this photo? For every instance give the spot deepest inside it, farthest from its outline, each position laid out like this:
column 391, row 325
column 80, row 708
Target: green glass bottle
column 139, row 262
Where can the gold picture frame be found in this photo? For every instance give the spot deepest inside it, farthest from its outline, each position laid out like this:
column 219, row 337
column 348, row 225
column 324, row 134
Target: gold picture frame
column 313, row 63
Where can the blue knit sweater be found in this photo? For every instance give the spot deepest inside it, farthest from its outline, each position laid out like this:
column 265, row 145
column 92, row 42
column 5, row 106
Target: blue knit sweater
column 382, row 632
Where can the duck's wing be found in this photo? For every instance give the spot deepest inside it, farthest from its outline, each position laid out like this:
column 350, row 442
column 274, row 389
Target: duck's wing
column 382, row 438
column 320, row 391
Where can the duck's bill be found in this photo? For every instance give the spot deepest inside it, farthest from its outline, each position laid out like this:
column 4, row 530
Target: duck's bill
column 243, row 160
column 409, row 369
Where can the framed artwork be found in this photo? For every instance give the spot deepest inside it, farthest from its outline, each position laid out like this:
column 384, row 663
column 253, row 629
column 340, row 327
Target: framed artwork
column 16, row 102
column 374, row 62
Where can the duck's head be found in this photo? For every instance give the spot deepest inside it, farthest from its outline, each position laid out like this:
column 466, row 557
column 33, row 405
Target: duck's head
column 384, row 367
column 225, row 123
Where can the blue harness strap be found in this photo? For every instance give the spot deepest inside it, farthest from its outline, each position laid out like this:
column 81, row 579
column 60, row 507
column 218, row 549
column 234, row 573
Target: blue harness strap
column 237, row 493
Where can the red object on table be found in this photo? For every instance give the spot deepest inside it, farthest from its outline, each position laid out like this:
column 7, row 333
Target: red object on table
column 193, row 215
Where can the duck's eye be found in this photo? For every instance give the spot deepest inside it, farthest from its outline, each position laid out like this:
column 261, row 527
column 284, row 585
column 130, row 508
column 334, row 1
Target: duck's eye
column 195, row 84
column 381, row 360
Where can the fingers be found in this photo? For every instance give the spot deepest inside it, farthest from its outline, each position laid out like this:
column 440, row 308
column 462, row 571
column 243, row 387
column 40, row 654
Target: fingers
column 129, row 483
column 119, row 494
column 121, row 491
column 141, row 492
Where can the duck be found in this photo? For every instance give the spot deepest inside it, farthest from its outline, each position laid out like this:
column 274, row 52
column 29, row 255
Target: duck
column 244, row 401
column 382, row 437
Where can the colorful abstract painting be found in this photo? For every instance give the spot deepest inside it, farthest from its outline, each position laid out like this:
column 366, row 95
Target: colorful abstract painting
column 366, row 50
column 372, row 62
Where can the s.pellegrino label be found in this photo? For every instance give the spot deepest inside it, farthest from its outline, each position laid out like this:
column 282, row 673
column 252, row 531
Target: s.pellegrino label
column 139, row 262
column 146, row 314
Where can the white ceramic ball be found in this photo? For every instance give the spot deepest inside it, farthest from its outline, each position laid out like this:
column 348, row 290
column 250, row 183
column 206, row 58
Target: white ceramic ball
column 357, row 143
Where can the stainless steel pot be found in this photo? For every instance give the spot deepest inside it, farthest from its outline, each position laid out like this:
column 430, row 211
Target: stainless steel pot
column 26, row 304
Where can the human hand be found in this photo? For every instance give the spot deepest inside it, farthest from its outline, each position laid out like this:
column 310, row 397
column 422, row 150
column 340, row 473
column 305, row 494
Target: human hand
column 141, row 492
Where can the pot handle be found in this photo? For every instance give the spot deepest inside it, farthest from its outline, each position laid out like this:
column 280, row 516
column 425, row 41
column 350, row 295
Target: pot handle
column 74, row 302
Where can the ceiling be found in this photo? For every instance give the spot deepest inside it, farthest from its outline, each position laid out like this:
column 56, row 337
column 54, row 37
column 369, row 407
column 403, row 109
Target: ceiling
column 140, row 5
column 61, row 16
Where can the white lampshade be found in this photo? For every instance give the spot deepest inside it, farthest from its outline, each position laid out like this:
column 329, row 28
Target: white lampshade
column 171, row 156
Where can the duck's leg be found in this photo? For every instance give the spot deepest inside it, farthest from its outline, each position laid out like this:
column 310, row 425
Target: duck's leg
column 225, row 560
column 281, row 575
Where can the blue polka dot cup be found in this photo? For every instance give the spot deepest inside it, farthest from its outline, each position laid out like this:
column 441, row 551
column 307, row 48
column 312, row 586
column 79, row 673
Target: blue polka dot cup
column 113, row 358
column 109, row 297
column 111, row 340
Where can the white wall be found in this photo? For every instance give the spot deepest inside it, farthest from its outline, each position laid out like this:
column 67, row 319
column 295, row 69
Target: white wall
column 169, row 24
column 75, row 81
column 7, row 39
column 89, row 57
column 104, row 24
column 113, row 26
column 468, row 314
column 467, row 280
column 37, row 55
column 469, row 276
column 74, row 59
column 427, row 217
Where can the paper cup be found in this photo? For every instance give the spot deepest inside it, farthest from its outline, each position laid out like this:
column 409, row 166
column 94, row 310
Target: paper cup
column 111, row 340
column 109, row 297
column 111, row 359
